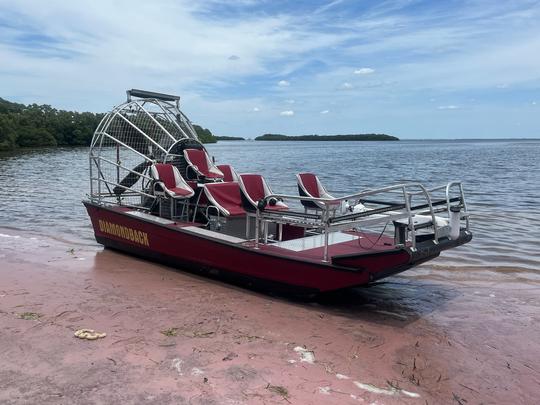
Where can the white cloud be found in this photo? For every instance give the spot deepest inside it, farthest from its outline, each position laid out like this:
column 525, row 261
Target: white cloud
column 472, row 47
column 327, row 6
column 287, row 113
column 364, row 71
column 255, row 109
column 58, row 54
column 105, row 46
column 325, row 111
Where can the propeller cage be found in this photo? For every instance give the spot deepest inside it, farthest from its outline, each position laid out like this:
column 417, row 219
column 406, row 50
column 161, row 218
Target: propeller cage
column 148, row 128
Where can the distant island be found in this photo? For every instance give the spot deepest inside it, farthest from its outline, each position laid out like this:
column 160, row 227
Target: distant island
column 351, row 137
column 204, row 134
column 30, row 126
column 229, row 138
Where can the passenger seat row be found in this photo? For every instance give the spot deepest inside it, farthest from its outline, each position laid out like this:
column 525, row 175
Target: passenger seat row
column 231, row 193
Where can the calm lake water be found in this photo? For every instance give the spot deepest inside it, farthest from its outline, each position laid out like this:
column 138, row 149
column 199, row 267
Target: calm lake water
column 41, row 190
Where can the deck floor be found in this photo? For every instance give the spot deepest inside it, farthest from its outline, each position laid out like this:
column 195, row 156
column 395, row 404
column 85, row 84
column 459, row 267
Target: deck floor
column 308, row 248
column 353, row 243
column 316, row 241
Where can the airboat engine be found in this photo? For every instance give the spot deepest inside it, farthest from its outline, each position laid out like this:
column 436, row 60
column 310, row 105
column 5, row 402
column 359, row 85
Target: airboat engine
column 148, row 128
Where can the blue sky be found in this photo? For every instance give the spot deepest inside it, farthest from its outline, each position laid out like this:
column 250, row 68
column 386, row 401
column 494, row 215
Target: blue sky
column 414, row 69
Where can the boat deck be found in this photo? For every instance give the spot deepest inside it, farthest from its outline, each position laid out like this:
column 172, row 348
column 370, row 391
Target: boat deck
column 307, row 248
column 340, row 243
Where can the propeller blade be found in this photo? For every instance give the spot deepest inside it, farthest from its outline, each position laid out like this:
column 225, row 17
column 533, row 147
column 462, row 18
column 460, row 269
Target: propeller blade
column 131, row 177
column 127, row 134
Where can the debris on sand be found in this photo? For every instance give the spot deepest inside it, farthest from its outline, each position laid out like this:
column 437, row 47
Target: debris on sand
column 230, row 356
column 196, row 371
column 307, row 356
column 394, row 314
column 177, row 365
column 458, row 399
column 278, row 389
column 324, row 390
column 392, row 390
column 89, row 334
column 199, row 334
column 170, row 332
column 29, row 316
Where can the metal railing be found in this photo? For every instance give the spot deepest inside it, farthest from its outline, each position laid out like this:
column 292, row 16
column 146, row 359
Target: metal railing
column 327, row 219
column 143, row 129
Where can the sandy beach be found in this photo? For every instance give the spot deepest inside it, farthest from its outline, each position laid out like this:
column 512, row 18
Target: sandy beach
column 462, row 337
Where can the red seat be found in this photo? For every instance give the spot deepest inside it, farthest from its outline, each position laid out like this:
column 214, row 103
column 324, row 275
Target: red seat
column 228, row 172
column 199, row 161
column 226, row 197
column 310, row 186
column 169, row 183
column 255, row 188
column 170, row 180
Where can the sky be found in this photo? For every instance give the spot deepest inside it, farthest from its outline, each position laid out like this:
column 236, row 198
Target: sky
column 413, row 69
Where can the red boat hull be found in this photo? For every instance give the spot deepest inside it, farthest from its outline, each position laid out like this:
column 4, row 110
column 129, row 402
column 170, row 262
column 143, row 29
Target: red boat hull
column 169, row 243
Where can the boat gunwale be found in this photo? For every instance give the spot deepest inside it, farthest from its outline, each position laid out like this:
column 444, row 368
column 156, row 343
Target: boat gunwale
column 174, row 227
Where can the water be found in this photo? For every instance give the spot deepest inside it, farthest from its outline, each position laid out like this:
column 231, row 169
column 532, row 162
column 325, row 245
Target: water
column 41, row 190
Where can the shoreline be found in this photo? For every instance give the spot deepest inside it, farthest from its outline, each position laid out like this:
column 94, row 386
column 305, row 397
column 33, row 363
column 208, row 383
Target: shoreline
column 410, row 340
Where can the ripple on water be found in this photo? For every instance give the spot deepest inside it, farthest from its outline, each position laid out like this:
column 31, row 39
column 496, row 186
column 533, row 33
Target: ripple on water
column 41, row 190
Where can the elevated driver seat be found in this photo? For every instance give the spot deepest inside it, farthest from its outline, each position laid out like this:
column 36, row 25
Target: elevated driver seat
column 200, row 163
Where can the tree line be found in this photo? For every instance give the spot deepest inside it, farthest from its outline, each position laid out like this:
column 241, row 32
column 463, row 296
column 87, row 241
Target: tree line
column 351, row 137
column 42, row 125
column 34, row 125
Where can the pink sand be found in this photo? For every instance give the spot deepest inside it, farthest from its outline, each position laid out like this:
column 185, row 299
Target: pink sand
column 464, row 337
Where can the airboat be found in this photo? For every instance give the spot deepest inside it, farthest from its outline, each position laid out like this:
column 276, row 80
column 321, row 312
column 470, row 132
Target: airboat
column 156, row 193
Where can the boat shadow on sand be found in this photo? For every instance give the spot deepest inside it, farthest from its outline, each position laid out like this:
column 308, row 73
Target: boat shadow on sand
column 396, row 302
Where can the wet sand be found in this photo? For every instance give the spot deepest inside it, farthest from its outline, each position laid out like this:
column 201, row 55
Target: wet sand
column 461, row 337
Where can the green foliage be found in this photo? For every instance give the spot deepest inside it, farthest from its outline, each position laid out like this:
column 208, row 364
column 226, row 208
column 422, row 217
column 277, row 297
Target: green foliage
column 204, row 134
column 352, row 137
column 6, row 106
column 41, row 125
column 29, row 136
column 229, row 138
column 7, row 132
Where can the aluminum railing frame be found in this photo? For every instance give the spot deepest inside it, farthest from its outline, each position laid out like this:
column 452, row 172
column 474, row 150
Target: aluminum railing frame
column 168, row 110
column 327, row 222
